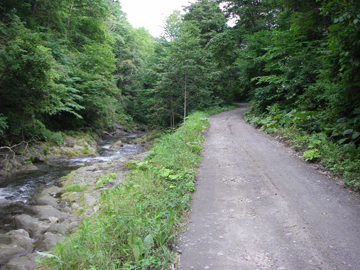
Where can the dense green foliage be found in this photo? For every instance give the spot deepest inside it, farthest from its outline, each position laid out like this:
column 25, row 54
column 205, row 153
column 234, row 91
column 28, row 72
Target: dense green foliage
column 65, row 65
column 299, row 64
column 137, row 222
column 181, row 76
column 78, row 64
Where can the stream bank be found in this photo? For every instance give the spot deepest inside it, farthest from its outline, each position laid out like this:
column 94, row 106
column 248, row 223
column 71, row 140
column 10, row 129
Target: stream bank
column 35, row 219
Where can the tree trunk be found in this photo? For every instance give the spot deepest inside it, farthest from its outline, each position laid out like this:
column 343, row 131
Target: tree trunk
column 33, row 9
column 185, row 98
column 172, row 117
column 68, row 21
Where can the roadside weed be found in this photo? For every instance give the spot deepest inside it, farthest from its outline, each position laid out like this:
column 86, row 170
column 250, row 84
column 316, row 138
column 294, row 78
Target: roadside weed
column 311, row 155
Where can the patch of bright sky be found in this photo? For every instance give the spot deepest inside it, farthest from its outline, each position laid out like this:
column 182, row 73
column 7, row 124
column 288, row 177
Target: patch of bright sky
column 151, row 14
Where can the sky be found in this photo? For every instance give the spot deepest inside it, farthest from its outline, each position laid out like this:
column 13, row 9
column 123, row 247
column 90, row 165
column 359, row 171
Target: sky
column 151, row 14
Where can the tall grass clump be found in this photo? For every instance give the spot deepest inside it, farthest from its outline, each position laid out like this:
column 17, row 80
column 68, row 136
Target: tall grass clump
column 137, row 223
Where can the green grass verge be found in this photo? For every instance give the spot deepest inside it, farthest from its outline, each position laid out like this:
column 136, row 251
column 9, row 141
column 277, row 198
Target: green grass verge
column 138, row 221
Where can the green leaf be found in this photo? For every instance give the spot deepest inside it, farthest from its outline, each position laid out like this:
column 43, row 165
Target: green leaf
column 355, row 135
column 148, row 243
column 136, row 252
column 302, row 115
column 348, row 132
column 165, row 173
column 136, row 245
column 174, row 177
column 60, row 248
column 47, row 255
column 342, row 141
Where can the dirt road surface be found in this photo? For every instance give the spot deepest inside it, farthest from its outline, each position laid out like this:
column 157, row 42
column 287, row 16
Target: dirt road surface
column 259, row 206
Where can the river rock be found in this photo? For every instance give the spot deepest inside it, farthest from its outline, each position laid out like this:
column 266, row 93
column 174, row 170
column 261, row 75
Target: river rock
column 53, row 220
column 13, row 244
column 46, row 199
column 4, row 203
column 3, row 173
column 69, row 141
column 68, row 226
column 48, row 241
column 22, row 263
column 29, row 167
column 19, row 232
column 118, row 130
column 50, row 196
column 116, row 145
column 78, row 146
column 31, row 225
column 44, row 212
column 60, row 228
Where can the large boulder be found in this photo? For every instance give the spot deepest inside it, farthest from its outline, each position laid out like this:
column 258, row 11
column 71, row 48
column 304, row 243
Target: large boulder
column 13, row 244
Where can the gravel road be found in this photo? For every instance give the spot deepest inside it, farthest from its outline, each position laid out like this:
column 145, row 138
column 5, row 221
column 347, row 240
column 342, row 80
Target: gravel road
column 259, row 206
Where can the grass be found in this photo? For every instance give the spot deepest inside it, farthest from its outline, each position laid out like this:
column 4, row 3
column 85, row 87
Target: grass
column 138, row 221
column 105, row 179
column 75, row 188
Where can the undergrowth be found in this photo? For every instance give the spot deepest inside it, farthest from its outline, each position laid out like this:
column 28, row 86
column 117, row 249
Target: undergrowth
column 335, row 148
column 138, row 221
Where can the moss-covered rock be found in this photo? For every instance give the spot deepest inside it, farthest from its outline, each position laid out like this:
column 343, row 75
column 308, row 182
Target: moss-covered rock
column 147, row 140
column 116, row 145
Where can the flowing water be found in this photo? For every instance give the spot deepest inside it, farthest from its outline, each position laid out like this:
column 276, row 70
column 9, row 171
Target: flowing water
column 22, row 188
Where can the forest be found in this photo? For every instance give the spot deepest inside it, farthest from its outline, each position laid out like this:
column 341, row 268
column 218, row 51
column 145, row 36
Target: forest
column 79, row 64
